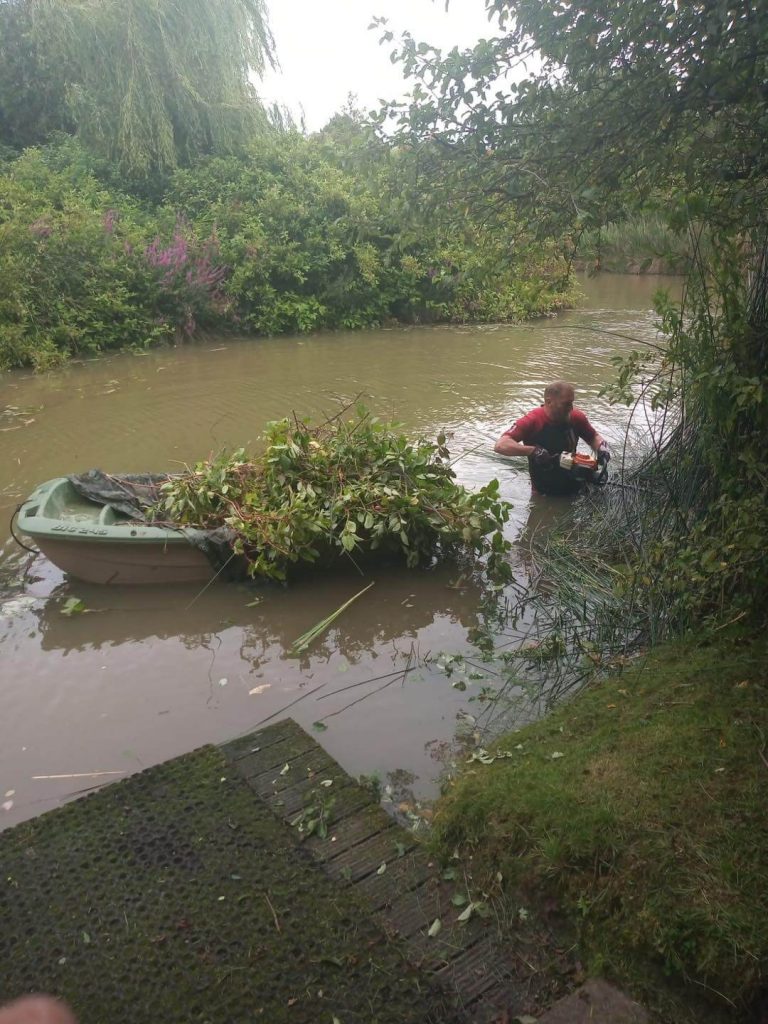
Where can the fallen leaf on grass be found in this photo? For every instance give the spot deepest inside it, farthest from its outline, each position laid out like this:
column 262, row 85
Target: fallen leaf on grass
column 556, row 754
column 435, row 928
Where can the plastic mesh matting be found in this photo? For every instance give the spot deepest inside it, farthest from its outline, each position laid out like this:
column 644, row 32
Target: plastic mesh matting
column 177, row 896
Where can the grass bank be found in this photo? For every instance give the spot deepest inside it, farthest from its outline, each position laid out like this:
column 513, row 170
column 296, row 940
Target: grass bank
column 640, row 807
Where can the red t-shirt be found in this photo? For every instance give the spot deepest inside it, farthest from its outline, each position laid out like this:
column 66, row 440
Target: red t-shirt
column 527, row 428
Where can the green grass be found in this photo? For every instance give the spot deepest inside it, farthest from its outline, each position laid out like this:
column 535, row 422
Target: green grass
column 651, row 829
column 643, row 243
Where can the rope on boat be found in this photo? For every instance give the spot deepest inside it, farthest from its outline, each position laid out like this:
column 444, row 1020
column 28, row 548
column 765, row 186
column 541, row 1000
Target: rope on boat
column 34, row 551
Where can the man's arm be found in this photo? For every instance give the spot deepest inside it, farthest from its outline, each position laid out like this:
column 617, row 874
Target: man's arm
column 513, row 441
column 506, row 446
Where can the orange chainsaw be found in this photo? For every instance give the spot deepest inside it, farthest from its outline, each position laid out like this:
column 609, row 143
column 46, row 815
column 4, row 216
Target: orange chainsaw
column 584, row 467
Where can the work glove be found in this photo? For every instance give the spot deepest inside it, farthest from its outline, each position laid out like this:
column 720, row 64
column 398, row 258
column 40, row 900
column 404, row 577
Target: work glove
column 603, row 454
column 541, row 457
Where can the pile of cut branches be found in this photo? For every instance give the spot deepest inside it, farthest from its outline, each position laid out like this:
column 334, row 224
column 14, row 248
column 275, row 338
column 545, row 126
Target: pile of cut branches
column 350, row 486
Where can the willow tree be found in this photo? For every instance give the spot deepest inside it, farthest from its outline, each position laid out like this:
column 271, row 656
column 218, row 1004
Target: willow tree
column 150, row 84
column 31, row 83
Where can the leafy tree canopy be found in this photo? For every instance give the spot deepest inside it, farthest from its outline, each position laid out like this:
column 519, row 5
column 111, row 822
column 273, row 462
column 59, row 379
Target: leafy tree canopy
column 145, row 84
column 624, row 96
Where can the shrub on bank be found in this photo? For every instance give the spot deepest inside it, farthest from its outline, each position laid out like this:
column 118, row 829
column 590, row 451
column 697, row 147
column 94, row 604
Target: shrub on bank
column 83, row 270
column 281, row 241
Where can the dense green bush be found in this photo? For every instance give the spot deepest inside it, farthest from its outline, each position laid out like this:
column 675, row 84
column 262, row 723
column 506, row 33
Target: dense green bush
column 285, row 240
column 82, row 270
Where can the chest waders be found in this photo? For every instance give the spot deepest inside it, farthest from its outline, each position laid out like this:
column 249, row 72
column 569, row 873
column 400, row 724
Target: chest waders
column 551, row 479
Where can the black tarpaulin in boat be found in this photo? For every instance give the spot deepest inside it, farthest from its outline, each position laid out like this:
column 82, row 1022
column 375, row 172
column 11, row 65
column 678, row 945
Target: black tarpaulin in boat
column 134, row 494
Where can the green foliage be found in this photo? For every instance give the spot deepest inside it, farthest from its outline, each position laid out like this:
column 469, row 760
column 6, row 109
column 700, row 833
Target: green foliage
column 32, row 100
column 147, row 84
column 351, row 486
column 285, row 240
column 649, row 826
column 641, row 243
column 703, row 488
column 316, row 245
column 626, row 99
column 80, row 270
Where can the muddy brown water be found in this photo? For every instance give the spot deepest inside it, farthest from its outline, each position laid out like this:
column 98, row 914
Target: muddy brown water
column 146, row 674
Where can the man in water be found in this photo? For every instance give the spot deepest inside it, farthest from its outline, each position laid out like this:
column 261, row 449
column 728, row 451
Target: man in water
column 544, row 433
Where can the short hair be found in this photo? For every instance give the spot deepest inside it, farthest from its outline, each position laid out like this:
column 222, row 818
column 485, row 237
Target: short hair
column 556, row 389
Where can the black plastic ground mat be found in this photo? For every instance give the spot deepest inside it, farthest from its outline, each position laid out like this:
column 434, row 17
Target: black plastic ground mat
column 177, row 896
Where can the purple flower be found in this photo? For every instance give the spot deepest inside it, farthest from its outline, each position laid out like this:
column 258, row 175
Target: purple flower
column 41, row 228
column 111, row 218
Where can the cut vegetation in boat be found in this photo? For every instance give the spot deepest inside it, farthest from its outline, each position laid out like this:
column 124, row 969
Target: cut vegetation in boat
column 353, row 486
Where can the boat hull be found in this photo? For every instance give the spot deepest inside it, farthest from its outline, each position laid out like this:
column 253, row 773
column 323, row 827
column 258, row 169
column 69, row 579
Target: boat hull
column 96, row 544
column 127, row 564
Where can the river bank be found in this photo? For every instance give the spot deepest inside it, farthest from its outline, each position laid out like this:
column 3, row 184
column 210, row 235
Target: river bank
column 638, row 809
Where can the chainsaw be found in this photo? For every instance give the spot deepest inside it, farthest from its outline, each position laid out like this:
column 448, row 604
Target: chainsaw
column 584, row 467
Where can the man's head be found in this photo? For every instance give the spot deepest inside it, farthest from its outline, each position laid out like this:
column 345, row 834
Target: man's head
column 558, row 400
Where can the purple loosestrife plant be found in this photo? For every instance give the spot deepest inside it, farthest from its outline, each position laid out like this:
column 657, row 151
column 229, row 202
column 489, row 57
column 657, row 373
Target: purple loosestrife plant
column 111, row 218
column 188, row 276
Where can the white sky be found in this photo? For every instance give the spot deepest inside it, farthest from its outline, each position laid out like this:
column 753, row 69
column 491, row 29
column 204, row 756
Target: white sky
column 326, row 51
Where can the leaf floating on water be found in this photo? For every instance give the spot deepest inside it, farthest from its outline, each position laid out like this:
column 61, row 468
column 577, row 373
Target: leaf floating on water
column 319, row 726
column 7, row 805
column 259, row 689
column 72, row 606
column 302, row 643
column 435, row 928
column 223, row 681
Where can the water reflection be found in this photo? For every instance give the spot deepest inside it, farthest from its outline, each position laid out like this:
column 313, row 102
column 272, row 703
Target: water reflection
column 269, row 616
